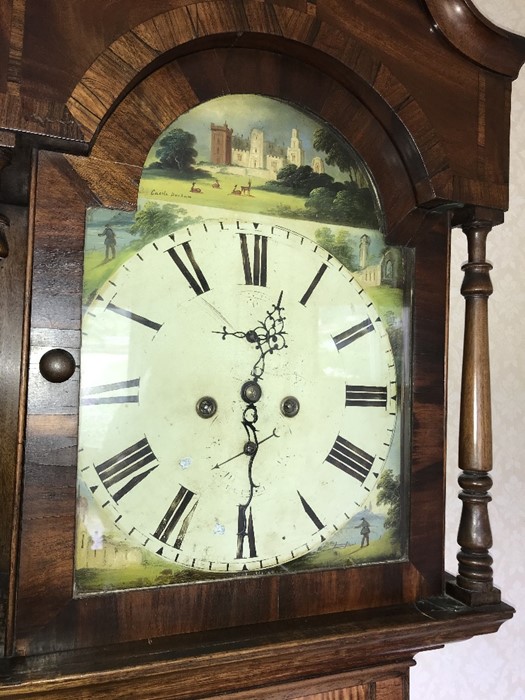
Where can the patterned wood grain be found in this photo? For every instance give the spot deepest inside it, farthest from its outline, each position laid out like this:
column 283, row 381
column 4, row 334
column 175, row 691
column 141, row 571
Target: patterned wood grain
column 13, row 310
column 123, row 143
column 502, row 53
column 359, row 692
column 16, row 41
column 133, row 44
column 5, row 32
column 94, row 96
column 268, row 663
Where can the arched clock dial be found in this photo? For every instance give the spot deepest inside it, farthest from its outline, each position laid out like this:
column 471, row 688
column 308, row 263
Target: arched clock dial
column 238, row 396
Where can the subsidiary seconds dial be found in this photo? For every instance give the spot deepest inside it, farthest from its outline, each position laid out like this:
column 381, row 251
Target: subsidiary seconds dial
column 238, row 396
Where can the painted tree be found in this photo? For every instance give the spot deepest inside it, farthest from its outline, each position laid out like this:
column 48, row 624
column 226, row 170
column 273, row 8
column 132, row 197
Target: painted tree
column 176, row 151
column 343, row 204
column 155, row 220
column 319, row 203
column 389, row 493
column 338, row 244
column 300, row 180
column 339, row 154
column 355, row 205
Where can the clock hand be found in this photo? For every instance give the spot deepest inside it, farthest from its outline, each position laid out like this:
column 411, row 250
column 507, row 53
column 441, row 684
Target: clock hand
column 268, row 336
column 244, row 522
column 217, row 313
column 245, row 529
column 239, row 454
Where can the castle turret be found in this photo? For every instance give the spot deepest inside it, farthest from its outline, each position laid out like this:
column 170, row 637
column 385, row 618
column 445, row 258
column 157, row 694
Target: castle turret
column 295, row 152
column 221, row 144
column 257, row 149
column 364, row 245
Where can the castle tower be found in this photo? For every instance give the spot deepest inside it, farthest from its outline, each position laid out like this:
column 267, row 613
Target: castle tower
column 221, row 144
column 364, row 245
column 257, row 149
column 295, row 152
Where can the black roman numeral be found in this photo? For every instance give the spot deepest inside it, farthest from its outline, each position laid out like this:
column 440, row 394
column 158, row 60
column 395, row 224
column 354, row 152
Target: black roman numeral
column 350, row 459
column 255, row 269
column 181, row 510
column 311, row 513
column 352, row 334
column 117, row 392
column 127, row 469
column 134, row 317
column 245, row 530
column 196, row 279
column 366, row 396
column 313, row 284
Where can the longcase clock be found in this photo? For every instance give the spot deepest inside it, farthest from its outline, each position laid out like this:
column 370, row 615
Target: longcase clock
column 224, row 231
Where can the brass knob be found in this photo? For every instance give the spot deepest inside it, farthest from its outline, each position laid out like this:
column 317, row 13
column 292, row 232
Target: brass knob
column 57, row 365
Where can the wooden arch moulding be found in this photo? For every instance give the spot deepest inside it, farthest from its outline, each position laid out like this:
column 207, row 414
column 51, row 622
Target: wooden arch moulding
column 131, row 128
column 294, row 35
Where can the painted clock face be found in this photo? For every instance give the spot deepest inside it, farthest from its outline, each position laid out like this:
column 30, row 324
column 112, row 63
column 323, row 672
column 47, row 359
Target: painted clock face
column 239, row 396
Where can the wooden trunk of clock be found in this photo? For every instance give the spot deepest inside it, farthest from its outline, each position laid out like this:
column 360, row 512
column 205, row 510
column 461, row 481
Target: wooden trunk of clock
column 84, row 96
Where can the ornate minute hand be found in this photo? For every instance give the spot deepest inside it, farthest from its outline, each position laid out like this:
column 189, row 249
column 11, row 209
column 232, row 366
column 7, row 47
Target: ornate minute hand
column 268, row 336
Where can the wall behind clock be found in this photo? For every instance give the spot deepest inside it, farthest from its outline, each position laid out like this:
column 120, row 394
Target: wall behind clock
column 492, row 666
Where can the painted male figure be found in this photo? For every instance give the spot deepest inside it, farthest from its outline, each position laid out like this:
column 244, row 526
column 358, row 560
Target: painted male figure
column 365, row 532
column 110, row 241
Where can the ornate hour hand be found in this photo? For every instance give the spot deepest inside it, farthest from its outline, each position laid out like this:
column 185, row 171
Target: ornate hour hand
column 268, row 336
column 245, row 522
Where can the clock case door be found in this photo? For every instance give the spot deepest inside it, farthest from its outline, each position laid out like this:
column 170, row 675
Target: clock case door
column 49, row 618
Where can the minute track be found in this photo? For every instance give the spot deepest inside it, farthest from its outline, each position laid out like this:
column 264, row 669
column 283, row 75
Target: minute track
column 299, row 329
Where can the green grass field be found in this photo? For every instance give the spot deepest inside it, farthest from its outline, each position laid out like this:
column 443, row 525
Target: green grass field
column 157, row 185
column 154, row 574
column 386, row 299
column 379, row 550
column 96, row 271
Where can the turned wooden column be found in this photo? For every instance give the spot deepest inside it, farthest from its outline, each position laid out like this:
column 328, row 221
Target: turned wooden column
column 474, row 582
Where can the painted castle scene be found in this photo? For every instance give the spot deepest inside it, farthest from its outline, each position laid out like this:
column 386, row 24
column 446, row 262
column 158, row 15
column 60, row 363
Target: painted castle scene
column 256, row 159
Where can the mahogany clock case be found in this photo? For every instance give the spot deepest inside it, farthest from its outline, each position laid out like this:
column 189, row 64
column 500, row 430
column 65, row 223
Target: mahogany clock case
column 48, row 616
column 431, row 124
